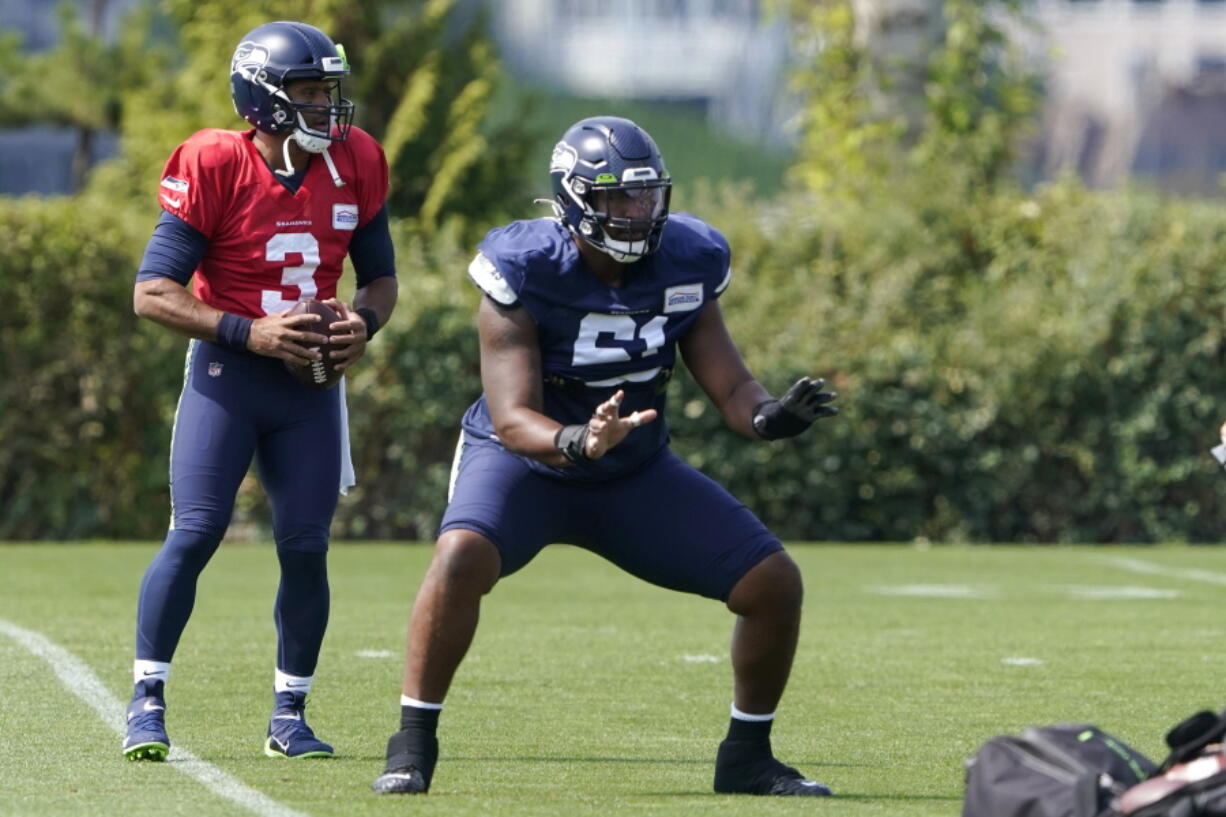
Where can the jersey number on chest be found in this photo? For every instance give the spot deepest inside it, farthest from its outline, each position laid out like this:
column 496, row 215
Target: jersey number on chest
column 278, row 248
column 612, row 338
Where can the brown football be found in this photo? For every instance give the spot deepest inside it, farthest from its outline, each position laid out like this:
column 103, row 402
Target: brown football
column 320, row 374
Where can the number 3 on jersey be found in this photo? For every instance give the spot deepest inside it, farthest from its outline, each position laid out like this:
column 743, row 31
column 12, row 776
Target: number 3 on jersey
column 278, row 248
column 625, row 334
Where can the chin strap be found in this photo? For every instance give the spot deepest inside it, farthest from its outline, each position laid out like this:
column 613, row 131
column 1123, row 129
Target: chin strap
column 289, row 165
column 336, row 177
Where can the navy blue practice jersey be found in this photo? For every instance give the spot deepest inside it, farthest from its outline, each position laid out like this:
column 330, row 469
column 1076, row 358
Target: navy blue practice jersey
column 594, row 338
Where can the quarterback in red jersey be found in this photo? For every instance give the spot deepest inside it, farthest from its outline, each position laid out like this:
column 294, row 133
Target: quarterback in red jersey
column 219, row 183
column 256, row 222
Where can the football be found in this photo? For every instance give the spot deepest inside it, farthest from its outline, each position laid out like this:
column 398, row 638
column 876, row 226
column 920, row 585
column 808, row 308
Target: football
column 320, row 374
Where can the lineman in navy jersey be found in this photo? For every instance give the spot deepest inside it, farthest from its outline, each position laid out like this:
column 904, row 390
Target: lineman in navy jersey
column 579, row 327
column 593, row 337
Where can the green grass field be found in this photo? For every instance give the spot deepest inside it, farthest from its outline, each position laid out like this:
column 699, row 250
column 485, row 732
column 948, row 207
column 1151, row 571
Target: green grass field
column 588, row 693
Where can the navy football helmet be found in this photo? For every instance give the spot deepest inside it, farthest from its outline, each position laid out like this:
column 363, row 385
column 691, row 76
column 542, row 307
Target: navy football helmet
column 610, row 186
column 275, row 54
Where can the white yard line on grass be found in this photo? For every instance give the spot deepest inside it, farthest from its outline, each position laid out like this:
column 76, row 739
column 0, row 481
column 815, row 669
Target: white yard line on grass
column 1149, row 568
column 935, row 591
column 81, row 681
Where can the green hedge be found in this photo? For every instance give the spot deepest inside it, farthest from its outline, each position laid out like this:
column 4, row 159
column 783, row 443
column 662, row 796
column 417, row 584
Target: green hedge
column 86, row 391
column 1021, row 368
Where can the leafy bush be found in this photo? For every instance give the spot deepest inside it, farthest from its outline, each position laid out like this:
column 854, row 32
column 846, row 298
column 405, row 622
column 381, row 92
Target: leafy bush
column 85, row 391
column 1064, row 387
column 1013, row 366
column 1048, row 371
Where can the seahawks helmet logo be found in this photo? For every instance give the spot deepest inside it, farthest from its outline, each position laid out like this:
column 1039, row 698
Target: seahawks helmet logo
column 563, row 159
column 249, row 59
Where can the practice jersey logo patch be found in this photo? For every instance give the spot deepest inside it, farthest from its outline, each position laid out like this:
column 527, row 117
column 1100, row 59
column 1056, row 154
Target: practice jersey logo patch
column 683, row 298
column 215, row 369
column 177, row 185
column 344, row 217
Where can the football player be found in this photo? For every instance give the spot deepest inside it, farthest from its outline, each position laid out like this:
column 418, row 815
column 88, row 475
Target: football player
column 579, row 325
column 261, row 220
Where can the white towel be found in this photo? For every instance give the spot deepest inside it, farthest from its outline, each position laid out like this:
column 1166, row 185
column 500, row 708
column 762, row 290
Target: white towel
column 348, row 476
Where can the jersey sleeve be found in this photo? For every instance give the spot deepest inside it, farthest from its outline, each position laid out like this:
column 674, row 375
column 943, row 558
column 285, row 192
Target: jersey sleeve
column 372, row 173
column 194, row 179
column 717, row 258
column 499, row 268
column 706, row 248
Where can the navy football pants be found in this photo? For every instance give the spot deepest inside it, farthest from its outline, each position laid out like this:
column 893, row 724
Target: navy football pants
column 236, row 406
column 666, row 522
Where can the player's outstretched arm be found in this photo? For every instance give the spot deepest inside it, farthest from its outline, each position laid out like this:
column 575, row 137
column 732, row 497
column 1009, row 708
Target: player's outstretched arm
column 795, row 411
column 717, row 366
column 746, row 406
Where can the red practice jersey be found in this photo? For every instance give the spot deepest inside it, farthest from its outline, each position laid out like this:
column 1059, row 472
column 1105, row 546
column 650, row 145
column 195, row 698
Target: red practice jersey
column 270, row 248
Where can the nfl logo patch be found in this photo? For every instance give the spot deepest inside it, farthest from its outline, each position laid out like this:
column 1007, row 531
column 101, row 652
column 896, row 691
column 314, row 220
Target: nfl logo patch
column 214, row 370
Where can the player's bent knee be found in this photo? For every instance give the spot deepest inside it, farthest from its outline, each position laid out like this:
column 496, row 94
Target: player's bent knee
column 773, row 586
column 464, row 558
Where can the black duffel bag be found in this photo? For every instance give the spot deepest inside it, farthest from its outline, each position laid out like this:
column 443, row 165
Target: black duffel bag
column 1067, row 770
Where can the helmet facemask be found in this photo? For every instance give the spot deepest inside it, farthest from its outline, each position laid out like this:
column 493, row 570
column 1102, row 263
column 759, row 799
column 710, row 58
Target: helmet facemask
column 610, row 186
column 331, row 121
column 629, row 216
column 622, row 218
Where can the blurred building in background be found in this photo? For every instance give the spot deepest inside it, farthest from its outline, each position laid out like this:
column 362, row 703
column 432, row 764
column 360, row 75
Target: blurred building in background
column 1135, row 87
column 41, row 158
column 726, row 56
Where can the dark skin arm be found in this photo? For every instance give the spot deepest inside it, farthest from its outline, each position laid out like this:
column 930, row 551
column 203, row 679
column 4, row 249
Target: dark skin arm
column 511, row 379
column 168, row 303
column 514, row 389
column 717, row 366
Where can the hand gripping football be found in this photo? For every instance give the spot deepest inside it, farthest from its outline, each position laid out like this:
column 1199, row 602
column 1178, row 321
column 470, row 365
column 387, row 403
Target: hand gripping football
column 319, row 374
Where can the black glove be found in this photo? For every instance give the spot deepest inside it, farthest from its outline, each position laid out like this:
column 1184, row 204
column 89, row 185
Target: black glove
column 795, row 411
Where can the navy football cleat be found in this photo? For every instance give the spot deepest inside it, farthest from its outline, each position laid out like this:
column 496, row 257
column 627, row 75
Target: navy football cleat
column 288, row 733
column 146, row 734
column 747, row 767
